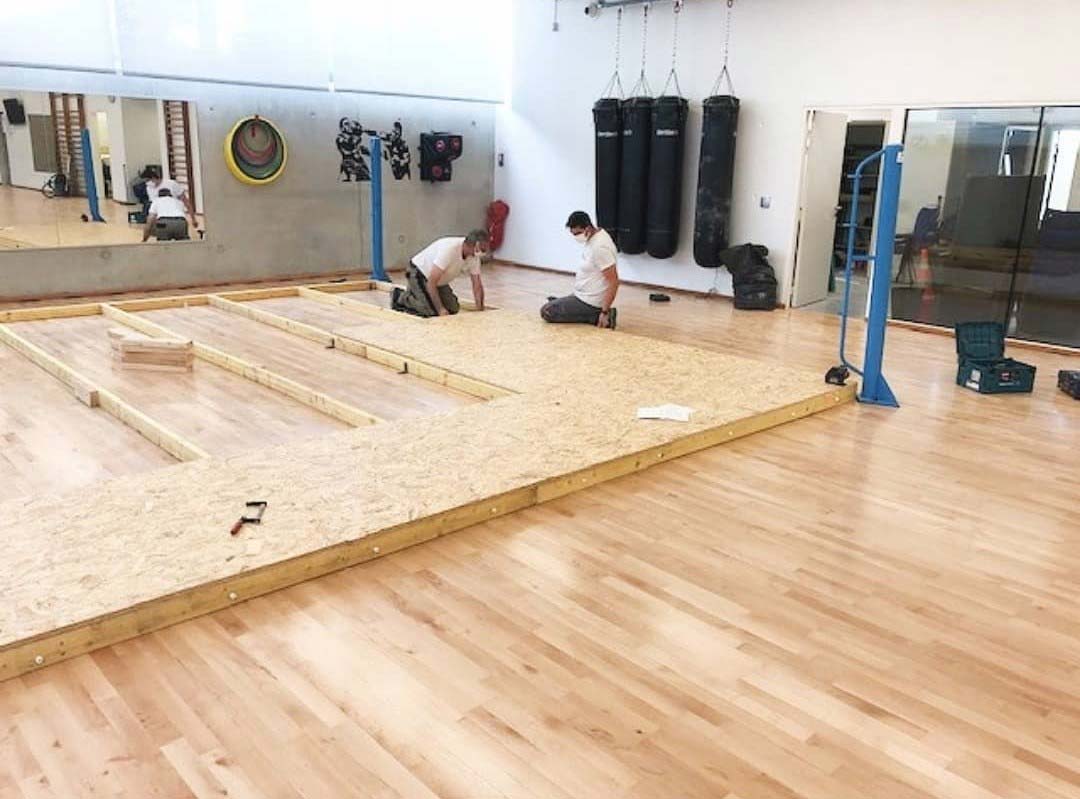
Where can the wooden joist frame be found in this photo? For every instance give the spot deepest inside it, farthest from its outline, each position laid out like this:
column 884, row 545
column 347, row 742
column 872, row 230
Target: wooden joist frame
column 308, row 396
column 94, row 396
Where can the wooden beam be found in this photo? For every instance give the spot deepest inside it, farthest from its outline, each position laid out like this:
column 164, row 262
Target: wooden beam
column 386, row 285
column 152, row 430
column 309, row 332
column 158, row 303
column 87, row 392
column 58, row 645
column 50, row 312
column 355, row 305
column 272, row 293
column 343, row 285
column 257, row 374
column 435, row 374
column 425, row 371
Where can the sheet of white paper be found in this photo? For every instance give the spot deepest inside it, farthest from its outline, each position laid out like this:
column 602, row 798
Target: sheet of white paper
column 668, row 412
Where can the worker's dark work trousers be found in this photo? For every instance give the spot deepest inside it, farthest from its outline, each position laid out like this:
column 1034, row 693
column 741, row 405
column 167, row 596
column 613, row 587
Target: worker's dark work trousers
column 415, row 299
column 570, row 309
column 168, row 228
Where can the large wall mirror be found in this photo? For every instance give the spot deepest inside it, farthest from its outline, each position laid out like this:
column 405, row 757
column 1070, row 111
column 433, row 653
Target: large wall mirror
column 84, row 170
column 990, row 220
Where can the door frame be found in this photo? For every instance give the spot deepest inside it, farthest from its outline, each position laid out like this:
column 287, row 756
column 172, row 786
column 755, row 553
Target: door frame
column 893, row 117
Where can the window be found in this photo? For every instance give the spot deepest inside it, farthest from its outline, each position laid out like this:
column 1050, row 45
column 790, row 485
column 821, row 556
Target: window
column 990, row 220
column 42, row 142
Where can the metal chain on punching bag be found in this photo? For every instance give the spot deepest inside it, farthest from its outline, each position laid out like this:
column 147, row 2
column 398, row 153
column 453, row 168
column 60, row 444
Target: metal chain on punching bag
column 724, row 73
column 616, row 79
column 607, row 117
column 642, row 81
column 716, row 167
column 674, row 75
column 669, row 114
column 636, row 142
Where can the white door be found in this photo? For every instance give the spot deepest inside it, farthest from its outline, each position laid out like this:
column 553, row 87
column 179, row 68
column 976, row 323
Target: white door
column 822, row 171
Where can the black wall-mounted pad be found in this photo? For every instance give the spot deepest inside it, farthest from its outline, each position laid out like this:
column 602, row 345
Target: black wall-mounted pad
column 634, row 175
column 716, row 173
column 665, row 176
column 607, row 116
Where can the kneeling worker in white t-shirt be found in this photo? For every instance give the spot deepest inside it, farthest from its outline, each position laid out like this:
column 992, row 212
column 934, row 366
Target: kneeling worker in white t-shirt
column 166, row 219
column 434, row 268
column 597, row 280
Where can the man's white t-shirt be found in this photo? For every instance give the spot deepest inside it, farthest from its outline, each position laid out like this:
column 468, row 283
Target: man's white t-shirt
column 166, row 207
column 600, row 254
column 177, row 190
column 446, row 254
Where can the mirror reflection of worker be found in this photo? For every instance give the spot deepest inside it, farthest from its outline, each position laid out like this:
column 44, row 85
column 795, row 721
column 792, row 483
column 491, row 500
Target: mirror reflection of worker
column 433, row 269
column 155, row 184
column 166, row 219
column 596, row 282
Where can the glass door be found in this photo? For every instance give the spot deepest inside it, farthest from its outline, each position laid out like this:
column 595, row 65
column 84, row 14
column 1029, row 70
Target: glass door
column 1045, row 298
column 967, row 177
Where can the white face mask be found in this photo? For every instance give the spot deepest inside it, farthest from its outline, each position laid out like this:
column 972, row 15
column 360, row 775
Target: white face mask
column 581, row 237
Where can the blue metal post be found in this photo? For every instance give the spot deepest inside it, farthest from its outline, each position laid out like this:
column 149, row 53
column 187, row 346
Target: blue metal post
column 378, row 270
column 874, row 387
column 91, row 181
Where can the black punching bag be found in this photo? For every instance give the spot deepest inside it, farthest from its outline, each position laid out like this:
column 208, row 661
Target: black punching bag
column 607, row 115
column 665, row 176
column 634, row 175
column 716, row 172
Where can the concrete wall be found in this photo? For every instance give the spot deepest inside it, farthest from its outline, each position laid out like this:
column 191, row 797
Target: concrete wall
column 786, row 56
column 307, row 222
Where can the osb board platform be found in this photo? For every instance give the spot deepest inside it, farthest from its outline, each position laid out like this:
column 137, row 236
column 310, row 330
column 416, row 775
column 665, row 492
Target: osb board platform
column 88, row 568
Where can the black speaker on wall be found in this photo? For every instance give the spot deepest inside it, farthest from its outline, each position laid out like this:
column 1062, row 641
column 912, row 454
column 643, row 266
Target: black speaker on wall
column 14, row 111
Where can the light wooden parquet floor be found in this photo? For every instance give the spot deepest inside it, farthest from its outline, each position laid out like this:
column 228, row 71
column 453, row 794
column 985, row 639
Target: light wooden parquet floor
column 869, row 603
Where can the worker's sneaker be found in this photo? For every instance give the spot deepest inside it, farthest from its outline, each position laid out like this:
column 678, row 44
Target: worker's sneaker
column 395, row 298
column 611, row 314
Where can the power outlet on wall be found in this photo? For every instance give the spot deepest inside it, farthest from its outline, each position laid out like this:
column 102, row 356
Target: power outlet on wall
column 765, row 201
column 502, row 159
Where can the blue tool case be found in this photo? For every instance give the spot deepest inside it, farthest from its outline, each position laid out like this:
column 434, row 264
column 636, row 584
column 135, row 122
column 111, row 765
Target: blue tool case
column 983, row 367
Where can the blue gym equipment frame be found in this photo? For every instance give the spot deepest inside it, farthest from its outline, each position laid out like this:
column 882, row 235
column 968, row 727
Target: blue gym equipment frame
column 378, row 269
column 91, row 181
column 875, row 389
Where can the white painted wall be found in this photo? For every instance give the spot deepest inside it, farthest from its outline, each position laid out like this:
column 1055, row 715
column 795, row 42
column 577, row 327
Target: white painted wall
column 423, row 47
column 144, row 136
column 20, row 150
column 786, row 56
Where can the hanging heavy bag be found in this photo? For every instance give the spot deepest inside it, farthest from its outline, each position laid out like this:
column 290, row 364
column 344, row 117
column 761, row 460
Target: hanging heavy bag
column 716, row 173
column 607, row 116
column 665, row 176
column 634, row 174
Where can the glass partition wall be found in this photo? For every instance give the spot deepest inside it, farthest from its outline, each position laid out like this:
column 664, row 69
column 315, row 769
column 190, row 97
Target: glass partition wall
column 989, row 220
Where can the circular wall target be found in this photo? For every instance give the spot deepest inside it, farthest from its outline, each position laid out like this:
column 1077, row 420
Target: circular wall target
column 255, row 151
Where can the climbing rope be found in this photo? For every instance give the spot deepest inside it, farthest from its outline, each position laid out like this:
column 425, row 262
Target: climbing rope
column 616, row 81
column 673, row 75
column 724, row 73
column 642, row 81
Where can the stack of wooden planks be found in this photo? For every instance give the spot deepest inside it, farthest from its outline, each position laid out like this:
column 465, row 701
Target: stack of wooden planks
column 133, row 351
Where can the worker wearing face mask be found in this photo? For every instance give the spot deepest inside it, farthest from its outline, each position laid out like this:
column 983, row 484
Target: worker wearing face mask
column 596, row 282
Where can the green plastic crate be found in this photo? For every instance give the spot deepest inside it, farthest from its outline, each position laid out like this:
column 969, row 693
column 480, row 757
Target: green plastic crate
column 983, row 367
